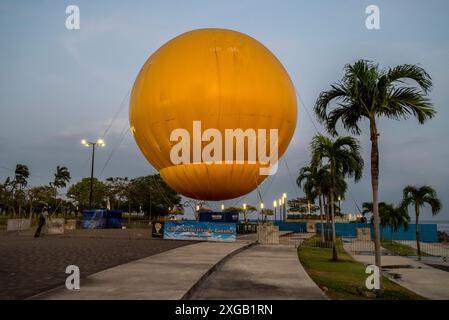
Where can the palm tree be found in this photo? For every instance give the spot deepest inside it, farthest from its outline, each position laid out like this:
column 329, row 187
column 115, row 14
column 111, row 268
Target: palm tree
column 62, row 177
column 325, row 185
column 344, row 159
column 309, row 180
column 266, row 212
column 398, row 217
column 420, row 196
column 366, row 92
column 390, row 215
column 248, row 208
column 21, row 175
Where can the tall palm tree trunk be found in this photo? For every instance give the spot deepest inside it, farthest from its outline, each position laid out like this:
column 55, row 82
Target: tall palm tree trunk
column 418, row 244
column 332, row 205
column 334, row 238
column 375, row 187
column 328, row 229
column 321, row 218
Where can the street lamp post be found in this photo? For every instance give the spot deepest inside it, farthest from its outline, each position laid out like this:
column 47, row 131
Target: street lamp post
column 275, row 205
column 339, row 203
column 281, row 209
column 284, row 198
column 87, row 143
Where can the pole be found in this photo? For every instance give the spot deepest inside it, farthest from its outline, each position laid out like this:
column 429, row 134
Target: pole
column 92, row 176
column 285, row 213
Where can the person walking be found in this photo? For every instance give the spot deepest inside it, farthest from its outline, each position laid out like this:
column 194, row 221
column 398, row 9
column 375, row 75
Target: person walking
column 42, row 219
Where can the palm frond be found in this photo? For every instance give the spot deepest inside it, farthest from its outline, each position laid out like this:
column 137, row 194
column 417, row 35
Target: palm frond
column 405, row 72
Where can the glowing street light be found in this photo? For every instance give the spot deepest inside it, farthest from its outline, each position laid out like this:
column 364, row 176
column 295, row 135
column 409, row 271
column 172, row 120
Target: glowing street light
column 101, row 142
column 244, row 206
column 88, row 143
column 275, row 204
column 261, row 205
column 283, row 209
column 222, row 207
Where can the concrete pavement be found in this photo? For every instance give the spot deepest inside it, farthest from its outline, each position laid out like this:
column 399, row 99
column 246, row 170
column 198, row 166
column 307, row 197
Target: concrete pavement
column 260, row 272
column 29, row 265
column 168, row 275
column 418, row 277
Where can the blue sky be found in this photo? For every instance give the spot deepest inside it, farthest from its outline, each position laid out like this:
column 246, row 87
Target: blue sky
column 58, row 86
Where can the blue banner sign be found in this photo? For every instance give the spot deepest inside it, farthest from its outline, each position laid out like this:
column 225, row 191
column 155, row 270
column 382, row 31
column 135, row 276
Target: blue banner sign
column 204, row 231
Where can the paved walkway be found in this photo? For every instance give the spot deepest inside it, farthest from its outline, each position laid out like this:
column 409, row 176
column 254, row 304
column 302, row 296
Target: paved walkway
column 30, row 265
column 413, row 275
column 436, row 249
column 260, row 272
column 168, row 275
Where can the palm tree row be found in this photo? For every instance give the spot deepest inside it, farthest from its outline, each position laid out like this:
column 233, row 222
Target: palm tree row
column 397, row 216
column 315, row 182
column 13, row 192
column 390, row 215
column 331, row 161
column 367, row 92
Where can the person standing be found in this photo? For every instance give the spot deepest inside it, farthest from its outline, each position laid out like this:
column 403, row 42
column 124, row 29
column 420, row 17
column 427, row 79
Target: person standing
column 42, row 219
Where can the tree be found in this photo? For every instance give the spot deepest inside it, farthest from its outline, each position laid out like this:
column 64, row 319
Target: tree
column 61, row 178
column 79, row 192
column 344, row 159
column 308, row 179
column 316, row 183
column 40, row 197
column 419, row 197
column 177, row 210
column 366, row 92
column 237, row 210
column 301, row 205
column 390, row 215
column 266, row 212
column 21, row 175
column 249, row 208
column 398, row 217
column 152, row 195
column 6, row 199
column 118, row 193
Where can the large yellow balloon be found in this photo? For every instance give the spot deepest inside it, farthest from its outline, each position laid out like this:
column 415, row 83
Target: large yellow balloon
column 226, row 80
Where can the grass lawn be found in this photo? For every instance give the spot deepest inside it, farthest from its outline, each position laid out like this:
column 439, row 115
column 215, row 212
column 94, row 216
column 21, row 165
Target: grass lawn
column 401, row 249
column 342, row 278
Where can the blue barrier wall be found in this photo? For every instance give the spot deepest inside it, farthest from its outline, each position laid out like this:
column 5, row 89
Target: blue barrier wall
column 428, row 232
column 291, row 226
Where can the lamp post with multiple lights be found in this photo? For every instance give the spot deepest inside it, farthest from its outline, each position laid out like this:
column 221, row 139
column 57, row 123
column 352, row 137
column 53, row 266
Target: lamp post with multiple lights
column 87, row 143
column 275, row 204
column 284, row 199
